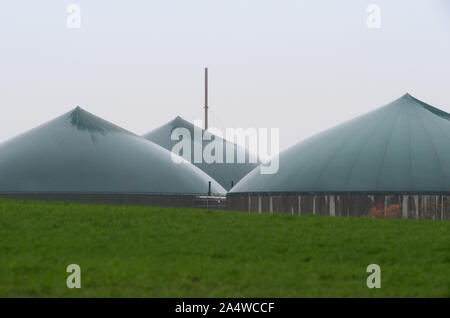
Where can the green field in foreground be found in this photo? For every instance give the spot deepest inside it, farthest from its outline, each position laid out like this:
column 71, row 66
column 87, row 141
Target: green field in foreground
column 129, row 251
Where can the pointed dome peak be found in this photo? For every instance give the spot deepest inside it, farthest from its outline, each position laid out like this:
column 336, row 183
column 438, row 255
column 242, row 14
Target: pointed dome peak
column 407, row 95
column 179, row 119
column 84, row 120
column 410, row 100
column 181, row 122
column 410, row 97
column 78, row 109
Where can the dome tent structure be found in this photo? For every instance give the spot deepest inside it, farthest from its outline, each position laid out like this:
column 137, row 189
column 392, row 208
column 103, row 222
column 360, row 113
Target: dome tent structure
column 81, row 157
column 397, row 157
column 224, row 173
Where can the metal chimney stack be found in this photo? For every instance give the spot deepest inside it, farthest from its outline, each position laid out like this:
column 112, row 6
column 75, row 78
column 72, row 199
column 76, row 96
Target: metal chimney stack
column 206, row 98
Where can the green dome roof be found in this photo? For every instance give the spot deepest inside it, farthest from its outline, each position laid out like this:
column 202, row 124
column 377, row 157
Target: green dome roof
column 81, row 153
column 403, row 147
column 224, row 172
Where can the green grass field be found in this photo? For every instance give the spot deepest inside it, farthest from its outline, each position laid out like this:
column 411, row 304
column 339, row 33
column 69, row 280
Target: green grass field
column 129, row 251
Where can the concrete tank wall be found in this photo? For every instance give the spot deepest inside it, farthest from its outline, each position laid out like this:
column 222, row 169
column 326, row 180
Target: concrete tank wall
column 188, row 201
column 413, row 206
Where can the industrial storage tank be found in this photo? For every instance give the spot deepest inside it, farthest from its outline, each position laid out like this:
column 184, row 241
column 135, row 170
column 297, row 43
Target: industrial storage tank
column 391, row 162
column 225, row 173
column 81, row 157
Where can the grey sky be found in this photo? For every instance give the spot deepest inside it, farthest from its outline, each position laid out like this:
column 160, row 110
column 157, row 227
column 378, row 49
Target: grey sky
column 301, row 66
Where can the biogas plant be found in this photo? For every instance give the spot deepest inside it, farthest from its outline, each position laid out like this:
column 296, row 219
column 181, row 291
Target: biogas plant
column 391, row 162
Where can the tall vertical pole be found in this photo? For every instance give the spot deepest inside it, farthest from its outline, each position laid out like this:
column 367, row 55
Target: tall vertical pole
column 206, row 98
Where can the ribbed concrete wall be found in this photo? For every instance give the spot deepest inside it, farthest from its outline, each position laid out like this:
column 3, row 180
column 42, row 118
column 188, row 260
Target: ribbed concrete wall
column 413, row 206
